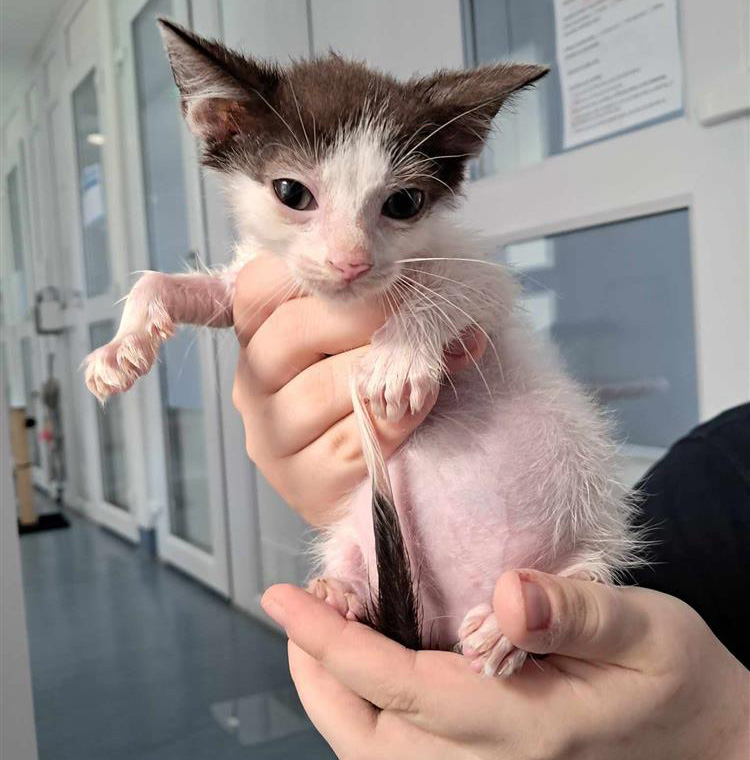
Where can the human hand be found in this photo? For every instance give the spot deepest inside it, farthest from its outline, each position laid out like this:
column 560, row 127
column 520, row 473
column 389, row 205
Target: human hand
column 292, row 387
column 635, row 674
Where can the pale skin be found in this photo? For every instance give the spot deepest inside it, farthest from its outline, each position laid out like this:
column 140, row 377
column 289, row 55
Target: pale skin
column 630, row 672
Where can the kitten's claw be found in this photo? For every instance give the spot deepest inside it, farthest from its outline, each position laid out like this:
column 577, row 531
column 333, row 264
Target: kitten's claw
column 339, row 595
column 396, row 381
column 114, row 367
column 481, row 640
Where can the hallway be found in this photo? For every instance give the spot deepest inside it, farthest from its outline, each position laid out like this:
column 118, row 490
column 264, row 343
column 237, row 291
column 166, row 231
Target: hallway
column 131, row 659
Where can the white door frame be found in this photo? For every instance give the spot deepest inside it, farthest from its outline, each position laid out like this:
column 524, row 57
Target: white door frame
column 85, row 311
column 210, row 568
column 698, row 161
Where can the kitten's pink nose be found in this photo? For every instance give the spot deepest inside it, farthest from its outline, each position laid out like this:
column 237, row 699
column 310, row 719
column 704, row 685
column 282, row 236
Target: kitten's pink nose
column 350, row 266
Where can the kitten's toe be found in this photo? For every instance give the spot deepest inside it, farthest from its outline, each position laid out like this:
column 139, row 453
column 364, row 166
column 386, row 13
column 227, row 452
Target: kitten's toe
column 481, row 640
column 511, row 663
column 395, row 382
column 420, row 387
column 341, row 596
column 396, row 401
column 473, row 619
column 114, row 367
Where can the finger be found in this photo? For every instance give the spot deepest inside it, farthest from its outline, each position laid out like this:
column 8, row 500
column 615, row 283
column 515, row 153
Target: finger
column 387, row 677
column 314, row 409
column 305, row 330
column 414, row 688
column 344, row 719
column 262, row 285
column 311, row 403
column 320, row 396
column 341, row 444
column 544, row 613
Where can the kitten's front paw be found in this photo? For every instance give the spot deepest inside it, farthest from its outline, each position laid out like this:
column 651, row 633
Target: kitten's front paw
column 480, row 639
column 395, row 381
column 339, row 595
column 114, row 367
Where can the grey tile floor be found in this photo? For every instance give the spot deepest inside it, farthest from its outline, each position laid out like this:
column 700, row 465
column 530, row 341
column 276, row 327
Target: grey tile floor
column 130, row 659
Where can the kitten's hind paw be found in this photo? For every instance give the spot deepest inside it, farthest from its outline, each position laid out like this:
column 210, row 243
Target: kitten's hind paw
column 339, row 595
column 114, row 367
column 480, row 639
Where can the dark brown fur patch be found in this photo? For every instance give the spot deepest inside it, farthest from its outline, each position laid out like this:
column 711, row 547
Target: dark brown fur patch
column 297, row 112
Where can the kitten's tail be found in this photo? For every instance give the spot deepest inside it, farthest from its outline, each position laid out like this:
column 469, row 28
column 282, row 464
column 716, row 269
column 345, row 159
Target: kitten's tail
column 396, row 613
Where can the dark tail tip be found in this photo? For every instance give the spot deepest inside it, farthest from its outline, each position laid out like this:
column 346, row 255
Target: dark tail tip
column 396, row 613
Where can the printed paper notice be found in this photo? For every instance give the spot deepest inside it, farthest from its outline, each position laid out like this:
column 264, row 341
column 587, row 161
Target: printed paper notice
column 619, row 63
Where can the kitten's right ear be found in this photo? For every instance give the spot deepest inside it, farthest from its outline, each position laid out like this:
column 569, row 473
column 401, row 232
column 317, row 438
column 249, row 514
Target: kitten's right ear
column 222, row 92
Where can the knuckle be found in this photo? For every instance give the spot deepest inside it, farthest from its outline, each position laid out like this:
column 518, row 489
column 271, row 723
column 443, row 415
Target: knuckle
column 683, row 651
column 580, row 619
column 343, row 447
column 396, row 697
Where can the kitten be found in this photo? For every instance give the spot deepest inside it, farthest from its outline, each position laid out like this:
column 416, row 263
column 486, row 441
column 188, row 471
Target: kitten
column 352, row 177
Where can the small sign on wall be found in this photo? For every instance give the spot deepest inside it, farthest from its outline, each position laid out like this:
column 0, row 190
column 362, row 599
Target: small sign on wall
column 619, row 64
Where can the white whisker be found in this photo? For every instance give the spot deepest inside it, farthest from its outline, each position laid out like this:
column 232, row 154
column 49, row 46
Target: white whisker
column 472, row 321
column 452, row 325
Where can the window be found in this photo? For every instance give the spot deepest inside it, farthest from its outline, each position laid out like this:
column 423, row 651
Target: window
column 617, row 299
column 168, row 225
column 519, row 30
column 89, row 141
column 111, row 426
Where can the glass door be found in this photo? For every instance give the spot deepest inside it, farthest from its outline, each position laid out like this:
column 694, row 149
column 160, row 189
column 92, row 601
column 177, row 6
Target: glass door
column 169, row 217
column 166, row 202
column 107, row 490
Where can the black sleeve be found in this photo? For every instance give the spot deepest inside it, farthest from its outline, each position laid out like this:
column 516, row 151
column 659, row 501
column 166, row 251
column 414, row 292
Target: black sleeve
column 697, row 502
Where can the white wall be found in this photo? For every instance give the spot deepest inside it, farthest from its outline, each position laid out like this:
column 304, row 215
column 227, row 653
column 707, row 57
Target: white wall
column 404, row 38
column 17, row 736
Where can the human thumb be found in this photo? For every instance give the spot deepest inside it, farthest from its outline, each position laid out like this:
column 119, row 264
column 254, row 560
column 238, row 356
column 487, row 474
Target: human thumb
column 544, row 613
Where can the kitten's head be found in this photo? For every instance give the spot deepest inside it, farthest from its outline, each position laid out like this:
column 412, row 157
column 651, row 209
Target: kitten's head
column 332, row 165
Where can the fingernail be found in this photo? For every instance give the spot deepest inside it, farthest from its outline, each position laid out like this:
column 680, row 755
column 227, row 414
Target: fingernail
column 274, row 610
column 536, row 605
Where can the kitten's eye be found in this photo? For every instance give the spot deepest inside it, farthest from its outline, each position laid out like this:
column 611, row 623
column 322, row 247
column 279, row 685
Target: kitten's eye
column 404, row 204
column 294, row 194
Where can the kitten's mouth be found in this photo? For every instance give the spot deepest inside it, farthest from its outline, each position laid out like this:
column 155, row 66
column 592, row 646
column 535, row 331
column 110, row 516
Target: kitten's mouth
column 373, row 283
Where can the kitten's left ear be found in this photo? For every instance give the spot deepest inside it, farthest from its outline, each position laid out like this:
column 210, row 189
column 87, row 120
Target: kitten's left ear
column 474, row 97
column 222, row 92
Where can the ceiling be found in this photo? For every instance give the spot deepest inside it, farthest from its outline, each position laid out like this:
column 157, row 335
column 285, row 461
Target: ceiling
column 23, row 25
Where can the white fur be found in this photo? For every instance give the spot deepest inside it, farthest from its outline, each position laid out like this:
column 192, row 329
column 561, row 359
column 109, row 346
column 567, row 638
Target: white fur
column 513, row 467
column 350, row 186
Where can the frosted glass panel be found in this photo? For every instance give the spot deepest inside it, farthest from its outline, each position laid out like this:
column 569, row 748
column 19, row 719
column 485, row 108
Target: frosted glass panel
column 169, row 244
column 93, row 209
column 111, row 427
column 618, row 301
